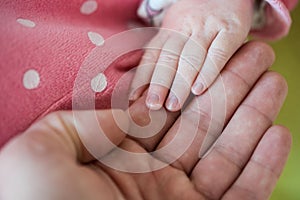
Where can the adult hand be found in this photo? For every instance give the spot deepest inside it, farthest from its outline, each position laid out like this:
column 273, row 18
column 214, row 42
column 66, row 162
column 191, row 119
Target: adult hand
column 49, row 161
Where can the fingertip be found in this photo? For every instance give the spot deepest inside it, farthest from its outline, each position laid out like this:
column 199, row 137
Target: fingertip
column 263, row 49
column 172, row 103
column 198, row 89
column 153, row 101
column 121, row 119
column 282, row 135
column 134, row 94
column 133, row 97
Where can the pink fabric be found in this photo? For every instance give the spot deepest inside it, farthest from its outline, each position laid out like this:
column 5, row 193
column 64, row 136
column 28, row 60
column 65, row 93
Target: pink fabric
column 56, row 45
column 55, row 48
column 290, row 4
column 278, row 20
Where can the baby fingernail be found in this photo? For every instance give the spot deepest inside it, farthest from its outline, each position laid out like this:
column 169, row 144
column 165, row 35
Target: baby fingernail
column 197, row 89
column 172, row 103
column 133, row 96
column 152, row 102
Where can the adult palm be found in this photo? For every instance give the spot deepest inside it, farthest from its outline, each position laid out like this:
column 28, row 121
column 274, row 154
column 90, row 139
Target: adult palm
column 51, row 161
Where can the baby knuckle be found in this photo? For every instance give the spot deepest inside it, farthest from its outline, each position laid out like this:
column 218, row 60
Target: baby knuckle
column 192, row 60
column 167, row 58
column 230, row 24
column 149, row 56
column 217, row 55
column 161, row 81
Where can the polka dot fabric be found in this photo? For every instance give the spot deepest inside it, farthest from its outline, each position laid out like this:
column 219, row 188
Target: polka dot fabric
column 43, row 44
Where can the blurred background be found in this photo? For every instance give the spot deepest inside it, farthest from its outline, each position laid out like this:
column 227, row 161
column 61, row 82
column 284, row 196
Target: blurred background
column 288, row 64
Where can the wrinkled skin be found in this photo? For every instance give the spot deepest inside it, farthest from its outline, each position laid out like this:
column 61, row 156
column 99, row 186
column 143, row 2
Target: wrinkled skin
column 49, row 161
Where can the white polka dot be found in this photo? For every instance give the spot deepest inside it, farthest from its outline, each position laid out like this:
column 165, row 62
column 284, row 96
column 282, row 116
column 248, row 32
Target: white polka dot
column 26, row 22
column 31, row 79
column 96, row 38
column 89, row 7
column 99, row 83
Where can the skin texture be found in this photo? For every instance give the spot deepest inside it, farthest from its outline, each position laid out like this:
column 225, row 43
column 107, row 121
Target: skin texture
column 212, row 31
column 49, row 161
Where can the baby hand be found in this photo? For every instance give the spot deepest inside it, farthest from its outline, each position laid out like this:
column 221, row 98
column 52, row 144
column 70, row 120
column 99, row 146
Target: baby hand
column 210, row 33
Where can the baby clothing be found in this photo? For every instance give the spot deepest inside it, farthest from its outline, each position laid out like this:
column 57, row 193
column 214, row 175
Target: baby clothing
column 44, row 44
column 271, row 18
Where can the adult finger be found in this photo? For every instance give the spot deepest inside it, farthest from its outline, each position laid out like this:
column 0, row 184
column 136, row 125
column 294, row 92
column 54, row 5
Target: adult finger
column 80, row 135
column 147, row 126
column 263, row 169
column 49, row 157
column 223, row 163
